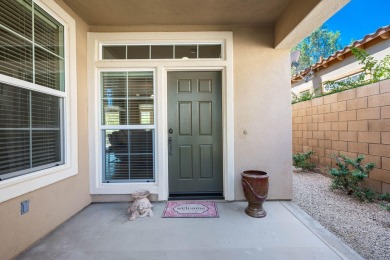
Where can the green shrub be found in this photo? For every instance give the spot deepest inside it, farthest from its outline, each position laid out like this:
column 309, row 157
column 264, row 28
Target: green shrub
column 302, row 160
column 303, row 97
column 349, row 176
column 386, row 206
column 365, row 194
column 373, row 71
column 385, row 196
column 385, row 201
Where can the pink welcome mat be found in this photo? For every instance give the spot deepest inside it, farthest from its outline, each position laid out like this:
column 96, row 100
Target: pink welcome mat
column 190, row 209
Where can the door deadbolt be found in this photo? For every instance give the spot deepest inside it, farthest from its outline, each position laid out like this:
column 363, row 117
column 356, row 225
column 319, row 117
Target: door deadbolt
column 170, row 131
column 170, row 152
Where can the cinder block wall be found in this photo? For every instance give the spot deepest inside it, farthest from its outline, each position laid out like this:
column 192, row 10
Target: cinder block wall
column 352, row 122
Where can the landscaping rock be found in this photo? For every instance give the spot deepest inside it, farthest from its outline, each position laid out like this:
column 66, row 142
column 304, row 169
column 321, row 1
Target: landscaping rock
column 365, row 227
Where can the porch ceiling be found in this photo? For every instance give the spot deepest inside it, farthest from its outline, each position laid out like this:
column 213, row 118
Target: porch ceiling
column 178, row 12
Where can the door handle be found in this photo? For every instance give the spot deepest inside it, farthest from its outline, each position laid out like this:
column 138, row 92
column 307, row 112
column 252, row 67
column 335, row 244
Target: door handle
column 170, row 151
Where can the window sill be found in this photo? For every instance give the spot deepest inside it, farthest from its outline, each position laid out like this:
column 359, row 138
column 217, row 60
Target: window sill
column 124, row 188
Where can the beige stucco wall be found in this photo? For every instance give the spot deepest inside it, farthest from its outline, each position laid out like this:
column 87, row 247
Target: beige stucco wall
column 261, row 97
column 52, row 205
column 302, row 86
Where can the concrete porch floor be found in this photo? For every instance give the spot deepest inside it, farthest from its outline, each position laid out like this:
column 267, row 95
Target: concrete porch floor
column 102, row 231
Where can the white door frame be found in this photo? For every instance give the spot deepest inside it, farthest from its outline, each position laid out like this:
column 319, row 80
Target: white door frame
column 161, row 68
column 227, row 131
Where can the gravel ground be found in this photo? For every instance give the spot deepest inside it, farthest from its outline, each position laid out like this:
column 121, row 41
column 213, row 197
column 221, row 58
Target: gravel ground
column 365, row 227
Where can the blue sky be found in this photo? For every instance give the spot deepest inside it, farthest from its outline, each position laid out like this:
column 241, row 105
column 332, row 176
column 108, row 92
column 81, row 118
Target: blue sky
column 359, row 18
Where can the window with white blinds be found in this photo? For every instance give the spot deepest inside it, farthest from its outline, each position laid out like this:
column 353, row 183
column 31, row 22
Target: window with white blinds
column 128, row 104
column 31, row 119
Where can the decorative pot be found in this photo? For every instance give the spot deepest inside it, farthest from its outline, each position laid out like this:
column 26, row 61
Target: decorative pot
column 140, row 194
column 255, row 185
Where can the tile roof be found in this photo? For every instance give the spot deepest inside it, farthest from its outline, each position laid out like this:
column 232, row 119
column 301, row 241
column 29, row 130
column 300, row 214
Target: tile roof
column 380, row 35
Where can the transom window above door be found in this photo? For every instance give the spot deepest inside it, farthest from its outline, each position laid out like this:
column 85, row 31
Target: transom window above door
column 161, row 51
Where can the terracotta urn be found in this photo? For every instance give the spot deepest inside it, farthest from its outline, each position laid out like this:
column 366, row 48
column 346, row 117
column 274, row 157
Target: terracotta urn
column 255, row 185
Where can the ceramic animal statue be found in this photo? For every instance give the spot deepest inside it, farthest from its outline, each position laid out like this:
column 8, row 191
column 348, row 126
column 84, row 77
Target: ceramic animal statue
column 140, row 208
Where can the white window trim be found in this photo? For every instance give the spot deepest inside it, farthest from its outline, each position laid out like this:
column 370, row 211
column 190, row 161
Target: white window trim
column 17, row 186
column 160, row 187
column 304, row 91
column 98, row 151
column 332, row 77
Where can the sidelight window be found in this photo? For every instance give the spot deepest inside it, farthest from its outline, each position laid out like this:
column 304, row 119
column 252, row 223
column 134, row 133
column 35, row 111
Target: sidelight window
column 128, row 126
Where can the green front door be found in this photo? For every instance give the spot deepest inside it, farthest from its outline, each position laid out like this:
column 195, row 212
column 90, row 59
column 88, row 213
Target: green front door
column 195, row 134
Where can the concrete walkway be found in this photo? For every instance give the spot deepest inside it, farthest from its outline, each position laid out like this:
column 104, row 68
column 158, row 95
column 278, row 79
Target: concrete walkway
column 102, row 231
